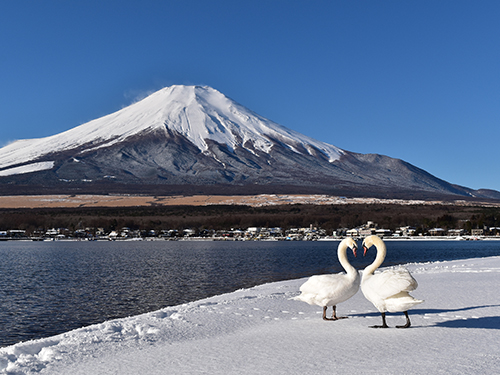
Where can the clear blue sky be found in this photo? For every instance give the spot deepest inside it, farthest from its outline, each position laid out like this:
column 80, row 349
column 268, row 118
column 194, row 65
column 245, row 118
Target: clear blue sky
column 414, row 80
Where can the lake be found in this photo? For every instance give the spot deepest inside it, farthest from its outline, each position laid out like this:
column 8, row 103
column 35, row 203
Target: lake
column 47, row 288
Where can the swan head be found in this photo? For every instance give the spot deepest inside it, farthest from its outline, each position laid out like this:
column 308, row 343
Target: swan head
column 369, row 242
column 351, row 244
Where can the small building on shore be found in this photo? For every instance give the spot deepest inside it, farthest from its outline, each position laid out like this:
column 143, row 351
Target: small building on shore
column 437, row 232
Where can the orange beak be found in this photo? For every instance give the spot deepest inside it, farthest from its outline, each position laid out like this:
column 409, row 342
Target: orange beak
column 366, row 249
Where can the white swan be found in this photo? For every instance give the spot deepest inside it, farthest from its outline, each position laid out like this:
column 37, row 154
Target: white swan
column 387, row 290
column 329, row 290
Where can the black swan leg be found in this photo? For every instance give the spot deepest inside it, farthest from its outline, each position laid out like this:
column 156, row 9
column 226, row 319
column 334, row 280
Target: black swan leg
column 384, row 324
column 408, row 324
column 324, row 313
column 334, row 314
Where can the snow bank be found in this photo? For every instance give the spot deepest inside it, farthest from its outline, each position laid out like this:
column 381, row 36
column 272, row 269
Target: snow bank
column 260, row 330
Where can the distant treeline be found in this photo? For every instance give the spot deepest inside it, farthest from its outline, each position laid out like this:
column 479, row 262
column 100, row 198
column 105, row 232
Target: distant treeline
column 219, row 217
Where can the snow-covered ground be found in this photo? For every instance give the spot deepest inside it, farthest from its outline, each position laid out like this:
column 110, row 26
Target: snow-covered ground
column 261, row 331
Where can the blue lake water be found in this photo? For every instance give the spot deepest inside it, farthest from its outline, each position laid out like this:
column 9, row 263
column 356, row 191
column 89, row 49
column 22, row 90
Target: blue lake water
column 48, row 288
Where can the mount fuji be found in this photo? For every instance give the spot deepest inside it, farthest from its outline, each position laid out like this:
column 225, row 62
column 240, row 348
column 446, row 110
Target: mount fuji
column 195, row 140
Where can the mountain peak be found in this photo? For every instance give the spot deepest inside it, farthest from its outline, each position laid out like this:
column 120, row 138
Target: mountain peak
column 200, row 113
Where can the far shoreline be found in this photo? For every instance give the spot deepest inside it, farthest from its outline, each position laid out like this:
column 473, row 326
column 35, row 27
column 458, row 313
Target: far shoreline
column 264, row 217
column 222, row 239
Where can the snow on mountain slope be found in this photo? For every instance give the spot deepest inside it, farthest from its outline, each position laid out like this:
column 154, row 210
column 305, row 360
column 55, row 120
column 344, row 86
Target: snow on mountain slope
column 28, row 168
column 198, row 113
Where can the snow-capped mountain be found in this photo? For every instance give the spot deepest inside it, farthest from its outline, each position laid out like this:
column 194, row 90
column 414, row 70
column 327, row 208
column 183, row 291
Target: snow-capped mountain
column 195, row 139
column 201, row 114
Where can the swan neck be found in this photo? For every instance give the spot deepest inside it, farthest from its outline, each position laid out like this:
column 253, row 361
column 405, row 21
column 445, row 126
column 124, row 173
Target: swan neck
column 379, row 259
column 344, row 261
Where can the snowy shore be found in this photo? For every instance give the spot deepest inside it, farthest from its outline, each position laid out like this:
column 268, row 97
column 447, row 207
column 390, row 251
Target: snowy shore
column 261, row 331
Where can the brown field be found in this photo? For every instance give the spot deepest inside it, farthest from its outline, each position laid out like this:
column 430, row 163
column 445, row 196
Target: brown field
column 76, row 201
column 73, row 201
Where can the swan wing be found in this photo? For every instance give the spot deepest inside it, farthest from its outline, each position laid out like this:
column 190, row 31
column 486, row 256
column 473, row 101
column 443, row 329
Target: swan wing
column 318, row 282
column 401, row 302
column 328, row 290
column 393, row 281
